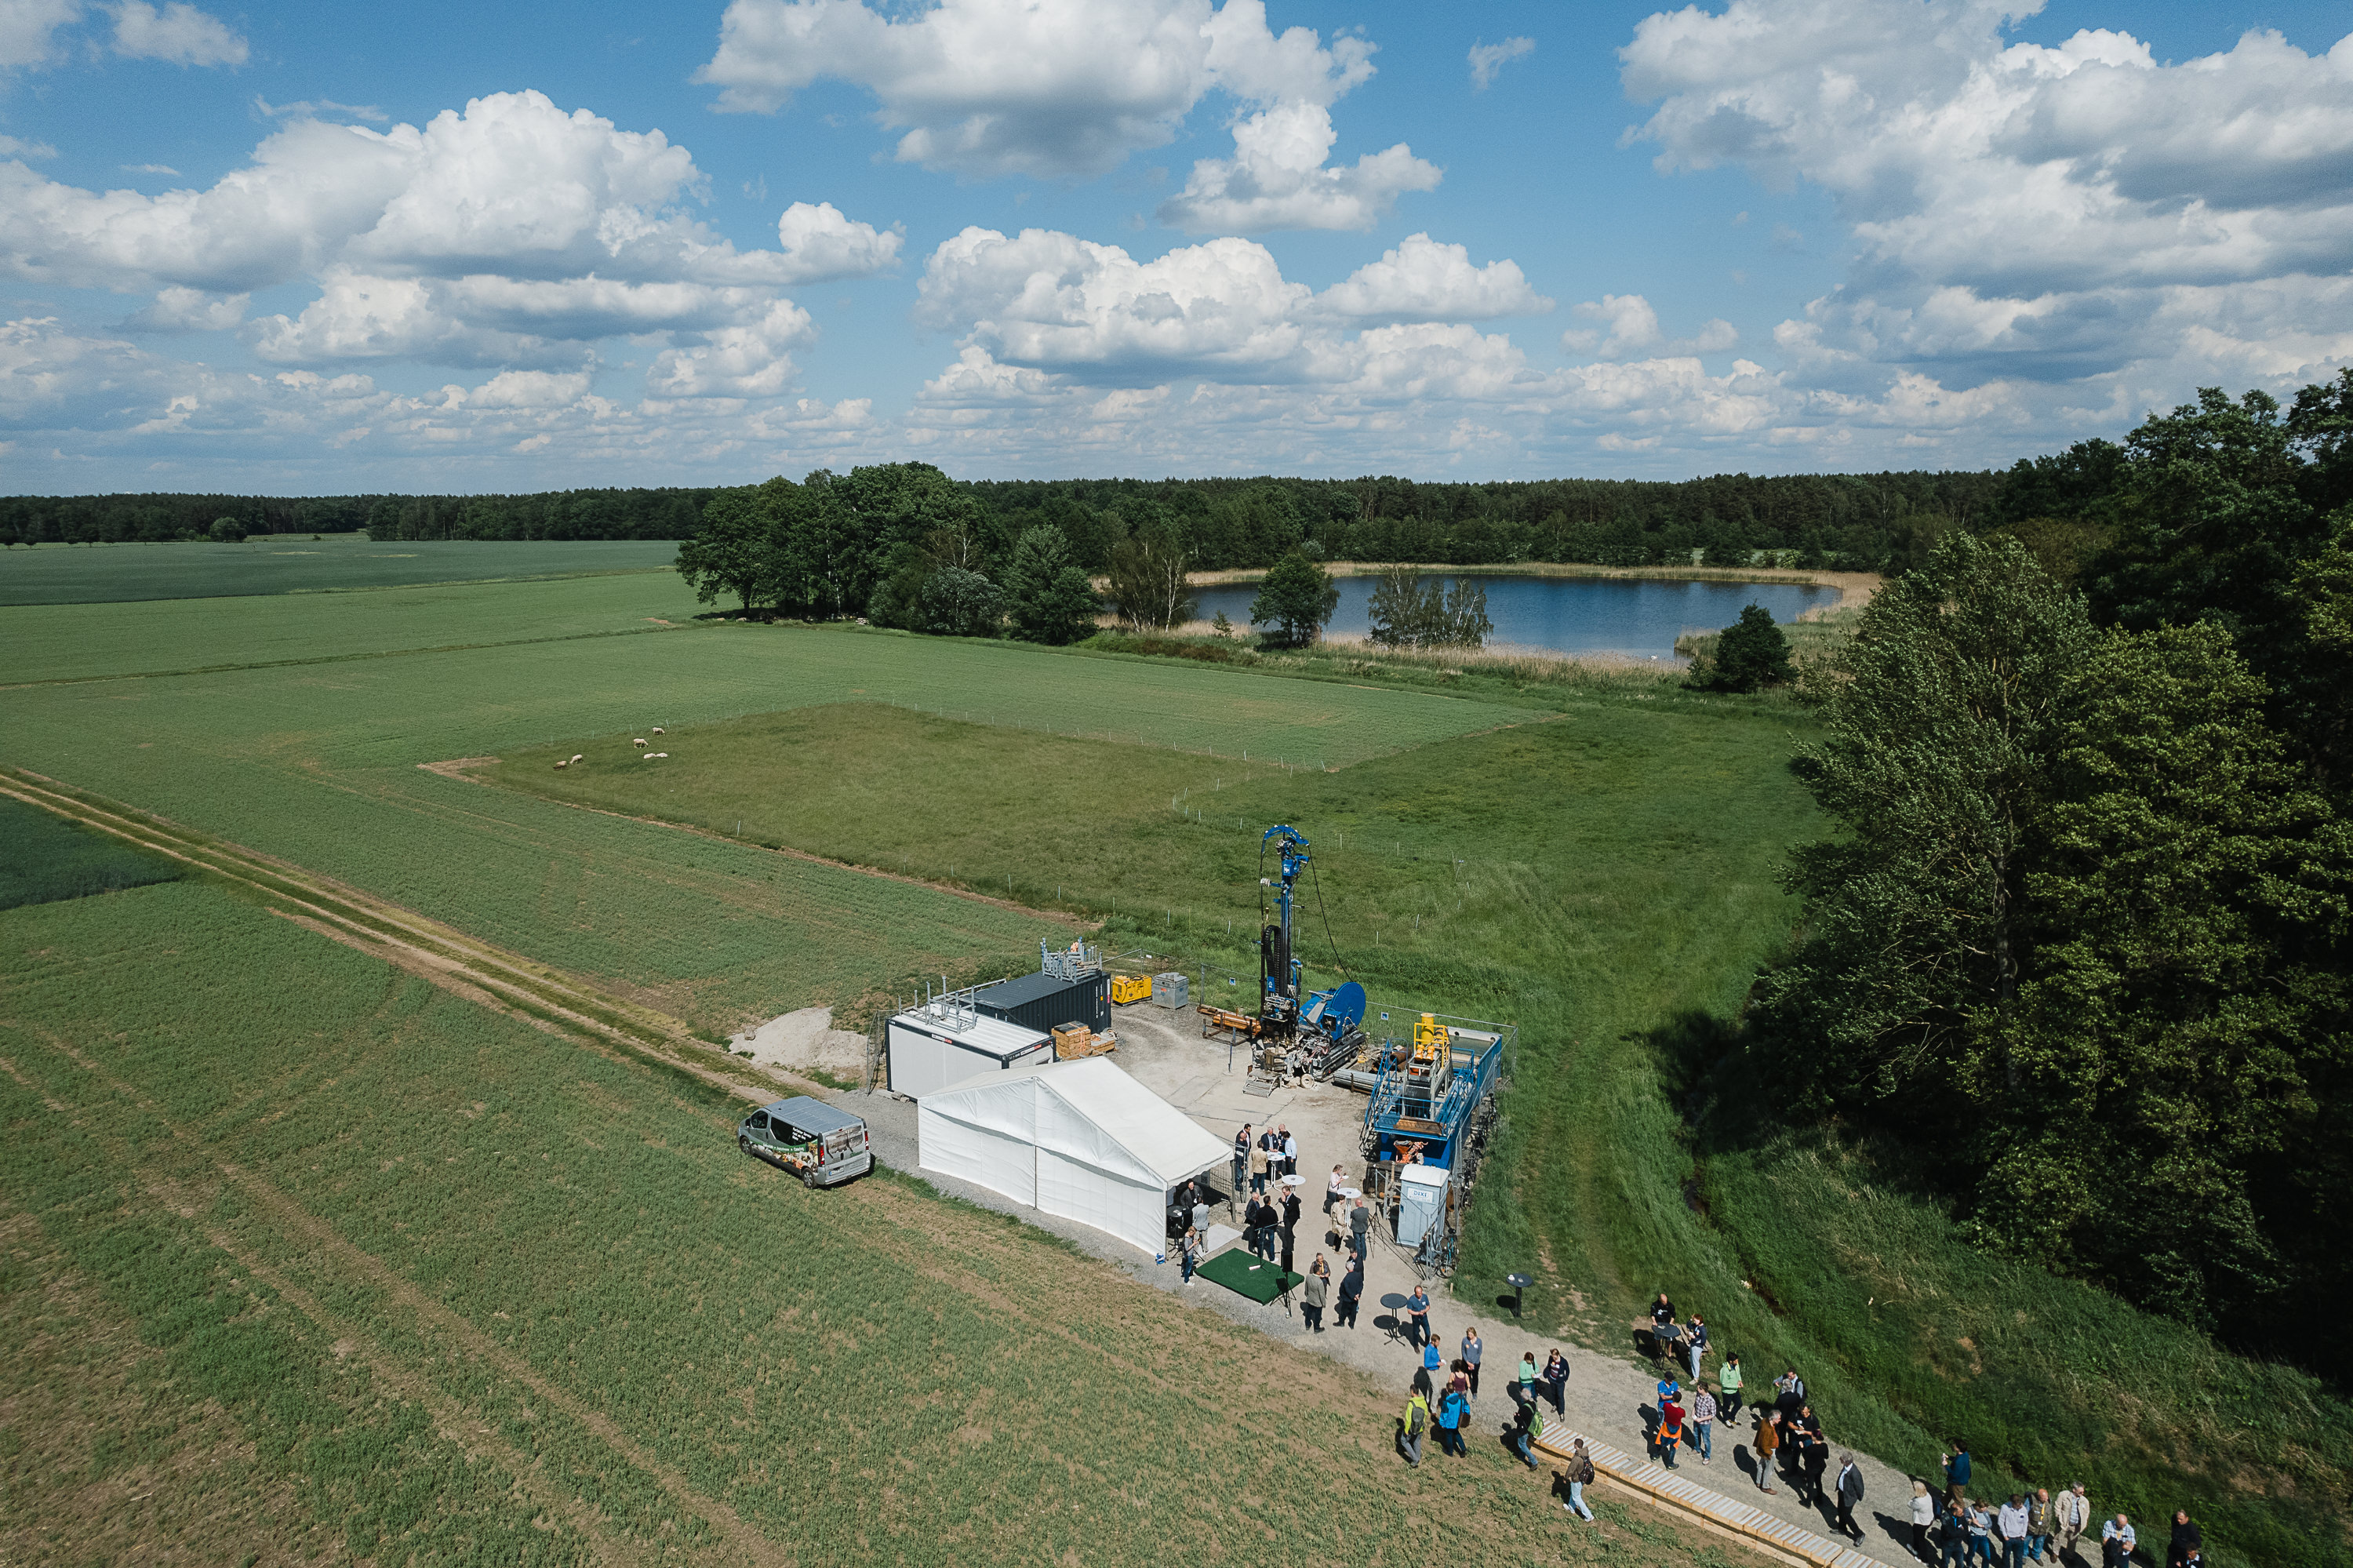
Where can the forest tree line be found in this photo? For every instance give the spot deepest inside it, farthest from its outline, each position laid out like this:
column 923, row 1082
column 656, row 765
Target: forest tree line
column 1864, row 522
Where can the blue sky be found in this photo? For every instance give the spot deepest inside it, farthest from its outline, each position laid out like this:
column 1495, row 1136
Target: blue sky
column 477, row 247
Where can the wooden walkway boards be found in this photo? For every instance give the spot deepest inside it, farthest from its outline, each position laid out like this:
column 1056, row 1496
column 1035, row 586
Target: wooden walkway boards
column 1671, row 1488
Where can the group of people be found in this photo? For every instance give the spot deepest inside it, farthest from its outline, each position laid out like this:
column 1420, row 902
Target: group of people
column 1449, row 1409
column 1960, row 1530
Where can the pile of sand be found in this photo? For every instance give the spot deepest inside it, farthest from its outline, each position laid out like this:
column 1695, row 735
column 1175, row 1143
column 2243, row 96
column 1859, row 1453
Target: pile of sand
column 804, row 1038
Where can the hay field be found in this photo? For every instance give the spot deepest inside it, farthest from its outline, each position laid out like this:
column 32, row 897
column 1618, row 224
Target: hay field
column 297, row 562
column 350, row 1268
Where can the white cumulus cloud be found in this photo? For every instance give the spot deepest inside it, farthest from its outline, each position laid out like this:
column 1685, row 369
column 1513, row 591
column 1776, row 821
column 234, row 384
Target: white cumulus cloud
column 1630, row 329
column 1424, row 280
column 1068, row 89
column 2018, row 209
column 178, row 32
column 27, row 29
column 511, row 234
column 1486, row 60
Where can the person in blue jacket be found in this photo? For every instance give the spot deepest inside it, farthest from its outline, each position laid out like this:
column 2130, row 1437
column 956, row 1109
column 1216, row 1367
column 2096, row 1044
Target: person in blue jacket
column 1957, row 1473
column 1453, row 1413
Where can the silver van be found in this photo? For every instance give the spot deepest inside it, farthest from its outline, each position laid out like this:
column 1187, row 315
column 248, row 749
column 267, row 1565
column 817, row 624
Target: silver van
column 820, row 1144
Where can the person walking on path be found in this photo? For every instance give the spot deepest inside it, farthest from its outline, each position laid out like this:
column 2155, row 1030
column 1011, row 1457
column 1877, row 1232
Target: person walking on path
column 1957, row 1472
column 2010, row 1520
column 2071, row 1512
column 2186, row 1544
column 1957, row 1534
column 1580, row 1476
column 1727, row 1379
column 2116, row 1541
column 1319, row 1290
column 1524, row 1381
column 1412, row 1426
column 1452, row 1412
column 1817, row 1455
column 1417, row 1305
column 1980, row 1531
column 1849, row 1488
column 1471, row 1351
column 1556, row 1381
column 1924, row 1519
column 1241, row 1155
column 1360, row 1228
column 1670, row 1432
column 1188, row 1253
column 1332, row 1190
column 1695, row 1339
column 1351, row 1291
column 2037, row 1523
column 1431, row 1360
column 1522, row 1433
column 1702, row 1422
column 1765, row 1445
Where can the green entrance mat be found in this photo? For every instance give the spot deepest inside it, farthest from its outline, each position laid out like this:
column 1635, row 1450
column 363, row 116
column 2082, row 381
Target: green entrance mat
column 1239, row 1272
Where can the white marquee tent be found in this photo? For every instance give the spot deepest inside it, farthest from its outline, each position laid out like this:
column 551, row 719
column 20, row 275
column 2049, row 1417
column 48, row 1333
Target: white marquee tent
column 1080, row 1140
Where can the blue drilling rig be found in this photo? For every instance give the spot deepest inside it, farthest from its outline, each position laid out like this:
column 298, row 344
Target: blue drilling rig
column 1326, row 1021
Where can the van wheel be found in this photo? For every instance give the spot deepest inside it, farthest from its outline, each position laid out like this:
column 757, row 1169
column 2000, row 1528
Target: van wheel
column 743, row 1143
column 809, row 1179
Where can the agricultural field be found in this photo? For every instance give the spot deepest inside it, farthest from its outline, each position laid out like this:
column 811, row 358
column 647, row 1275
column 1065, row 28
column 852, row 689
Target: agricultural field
column 47, row 859
column 354, row 1269
column 1604, row 877
column 323, row 764
column 1594, row 858
column 298, row 563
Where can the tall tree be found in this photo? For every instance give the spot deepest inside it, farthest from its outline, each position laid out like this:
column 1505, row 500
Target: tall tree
column 1752, row 652
column 735, row 551
column 1148, row 584
column 1295, row 599
column 1048, row 597
column 2155, row 1110
column 1940, row 737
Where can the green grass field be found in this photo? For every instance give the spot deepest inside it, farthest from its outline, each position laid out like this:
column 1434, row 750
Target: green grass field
column 47, row 860
column 1594, row 860
column 297, row 562
column 350, row 1268
column 1604, row 877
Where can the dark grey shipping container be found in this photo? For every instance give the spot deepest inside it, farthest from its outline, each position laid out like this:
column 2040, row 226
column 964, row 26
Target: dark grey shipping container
column 1040, row 1002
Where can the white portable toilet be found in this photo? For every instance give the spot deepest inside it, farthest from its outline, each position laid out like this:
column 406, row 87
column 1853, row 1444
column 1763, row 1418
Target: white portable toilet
column 1422, row 1200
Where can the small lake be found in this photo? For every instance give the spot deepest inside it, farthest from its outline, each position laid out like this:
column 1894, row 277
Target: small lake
column 1637, row 617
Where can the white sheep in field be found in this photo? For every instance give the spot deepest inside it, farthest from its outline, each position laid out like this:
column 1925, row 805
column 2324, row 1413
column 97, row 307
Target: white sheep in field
column 652, row 756
column 658, row 729
column 639, row 743
column 563, row 764
column 576, row 757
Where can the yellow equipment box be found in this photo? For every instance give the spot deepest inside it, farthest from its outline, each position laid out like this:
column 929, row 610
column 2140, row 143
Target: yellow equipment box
column 1126, row 989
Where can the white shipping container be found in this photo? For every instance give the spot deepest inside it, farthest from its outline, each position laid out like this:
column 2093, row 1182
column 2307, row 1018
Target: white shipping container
column 928, row 1053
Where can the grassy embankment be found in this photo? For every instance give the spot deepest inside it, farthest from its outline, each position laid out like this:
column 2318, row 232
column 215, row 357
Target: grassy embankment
column 297, row 562
column 311, row 1260
column 1605, row 879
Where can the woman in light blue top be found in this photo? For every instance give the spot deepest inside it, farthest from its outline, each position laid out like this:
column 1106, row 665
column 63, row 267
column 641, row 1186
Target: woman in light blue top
column 1470, row 1349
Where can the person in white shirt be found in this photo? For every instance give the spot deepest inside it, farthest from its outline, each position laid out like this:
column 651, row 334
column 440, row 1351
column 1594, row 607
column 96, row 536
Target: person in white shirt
column 2010, row 1520
column 1289, row 1152
column 1333, row 1188
column 2116, row 1541
column 1923, row 1518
